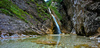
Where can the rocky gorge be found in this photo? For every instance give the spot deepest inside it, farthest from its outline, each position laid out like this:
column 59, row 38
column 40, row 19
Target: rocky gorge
column 32, row 17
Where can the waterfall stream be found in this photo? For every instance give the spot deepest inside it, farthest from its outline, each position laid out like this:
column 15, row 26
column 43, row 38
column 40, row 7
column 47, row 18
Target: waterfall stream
column 58, row 28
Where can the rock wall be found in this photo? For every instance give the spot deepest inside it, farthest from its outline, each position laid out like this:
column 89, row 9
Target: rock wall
column 59, row 10
column 32, row 16
column 84, row 15
column 24, row 17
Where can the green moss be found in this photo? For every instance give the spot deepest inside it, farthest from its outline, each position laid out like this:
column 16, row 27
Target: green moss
column 29, row 15
column 32, row 0
column 10, row 7
column 28, row 2
column 48, row 3
column 5, row 12
column 45, row 19
column 59, row 1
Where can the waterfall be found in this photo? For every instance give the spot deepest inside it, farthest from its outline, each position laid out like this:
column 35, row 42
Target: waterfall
column 58, row 28
column 46, row 0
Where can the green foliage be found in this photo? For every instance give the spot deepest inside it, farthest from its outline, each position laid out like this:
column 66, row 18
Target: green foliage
column 45, row 19
column 49, row 3
column 32, row 0
column 54, row 8
column 41, row 9
column 28, row 2
column 56, row 12
column 57, row 1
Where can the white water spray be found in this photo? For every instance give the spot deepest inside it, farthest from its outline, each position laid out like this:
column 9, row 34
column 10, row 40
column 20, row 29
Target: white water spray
column 46, row 0
column 58, row 28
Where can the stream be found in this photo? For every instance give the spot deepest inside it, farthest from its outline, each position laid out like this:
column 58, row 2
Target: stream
column 62, row 41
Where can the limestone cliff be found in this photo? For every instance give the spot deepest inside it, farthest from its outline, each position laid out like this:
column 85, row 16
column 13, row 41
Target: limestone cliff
column 33, row 17
column 24, row 17
column 84, row 14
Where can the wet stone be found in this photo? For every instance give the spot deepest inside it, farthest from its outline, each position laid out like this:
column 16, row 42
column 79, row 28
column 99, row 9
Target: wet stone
column 82, row 46
column 46, row 42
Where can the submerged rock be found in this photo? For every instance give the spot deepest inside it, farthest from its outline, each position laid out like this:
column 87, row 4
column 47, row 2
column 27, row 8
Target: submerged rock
column 82, row 46
column 46, row 42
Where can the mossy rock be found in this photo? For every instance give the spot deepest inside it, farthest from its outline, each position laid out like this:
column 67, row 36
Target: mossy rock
column 7, row 7
column 46, row 42
column 6, row 12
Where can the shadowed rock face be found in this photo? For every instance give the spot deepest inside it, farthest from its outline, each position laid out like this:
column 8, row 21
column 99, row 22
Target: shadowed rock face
column 65, row 22
column 84, row 15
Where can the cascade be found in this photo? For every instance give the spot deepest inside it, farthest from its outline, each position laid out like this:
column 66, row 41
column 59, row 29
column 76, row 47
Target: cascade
column 58, row 28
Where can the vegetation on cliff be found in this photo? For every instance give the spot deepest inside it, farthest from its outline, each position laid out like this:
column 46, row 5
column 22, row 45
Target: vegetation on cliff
column 53, row 6
column 41, row 9
column 7, row 7
column 33, row 12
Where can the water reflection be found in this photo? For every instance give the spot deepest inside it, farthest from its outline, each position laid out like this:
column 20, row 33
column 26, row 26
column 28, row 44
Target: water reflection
column 58, row 41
